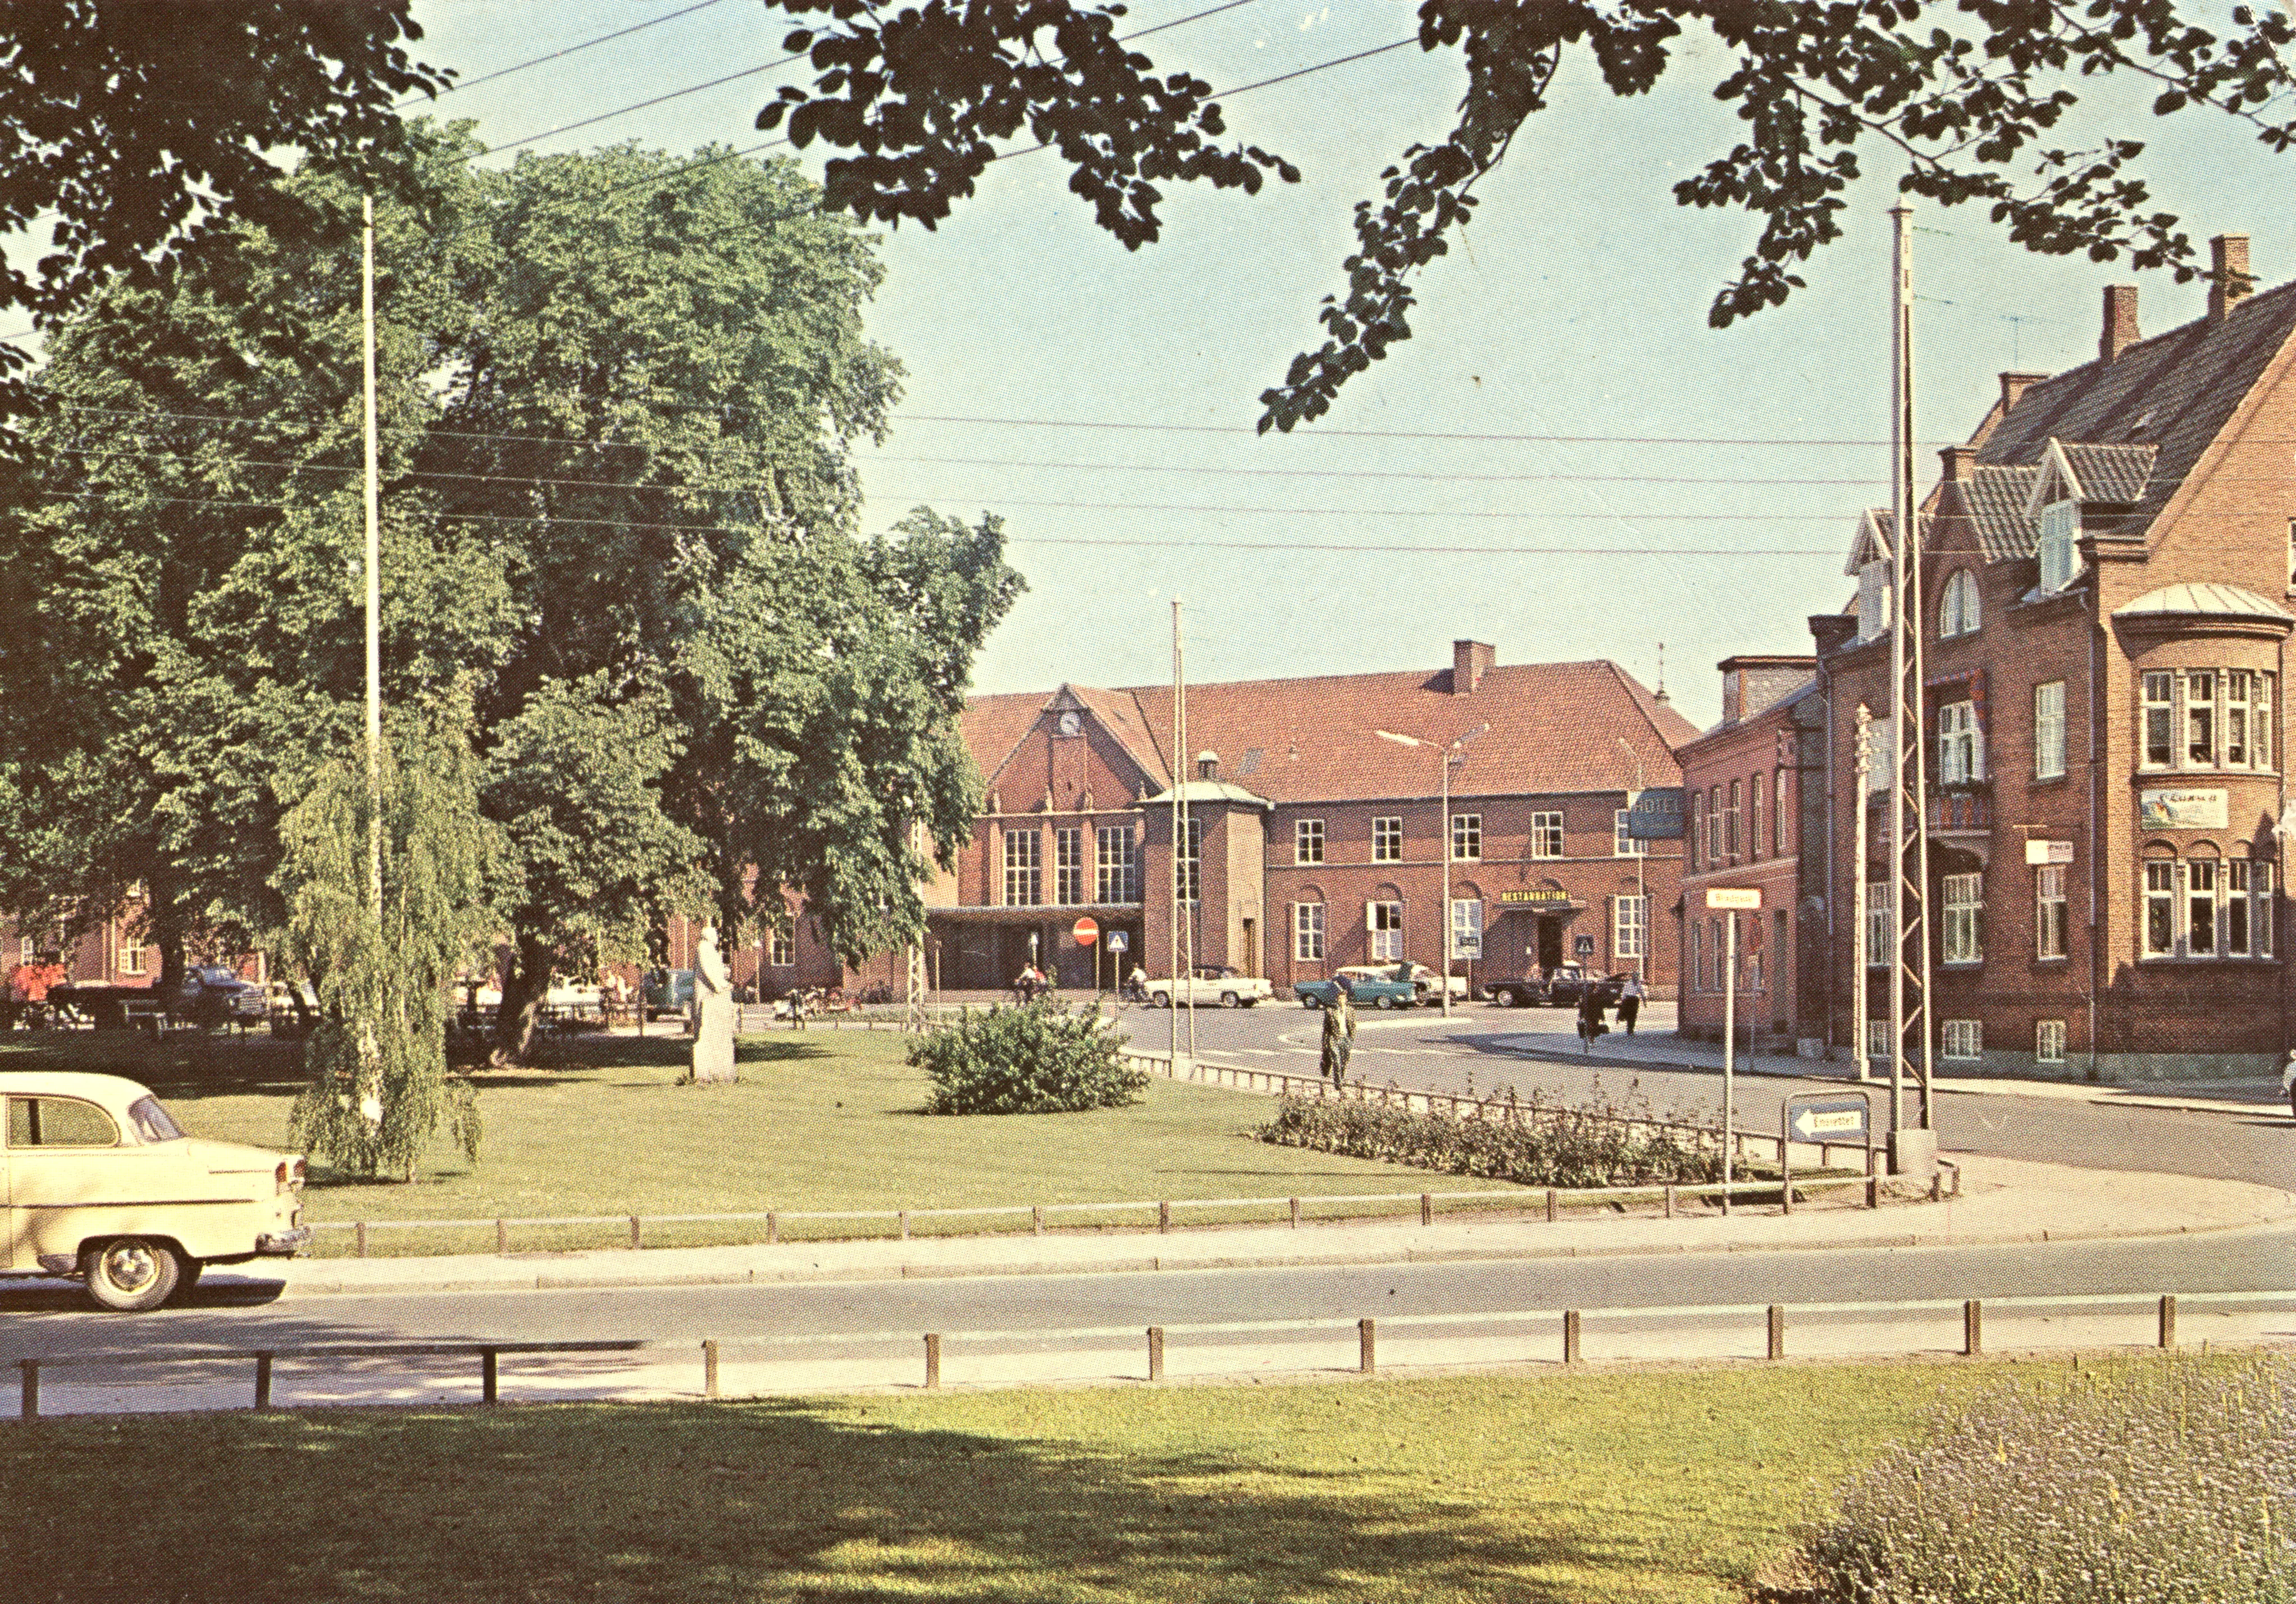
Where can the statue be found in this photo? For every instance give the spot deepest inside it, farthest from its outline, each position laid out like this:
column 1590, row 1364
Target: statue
column 713, row 1012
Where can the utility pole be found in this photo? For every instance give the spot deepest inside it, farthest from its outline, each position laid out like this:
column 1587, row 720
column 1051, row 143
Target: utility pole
column 1909, row 972
column 1183, row 974
column 1861, row 955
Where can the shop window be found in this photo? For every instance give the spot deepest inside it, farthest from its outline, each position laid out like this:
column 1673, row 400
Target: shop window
column 1306, row 840
column 1963, row 1040
column 2048, row 1041
column 1546, row 835
column 1466, row 837
column 1387, row 840
column 1308, row 932
column 2049, row 731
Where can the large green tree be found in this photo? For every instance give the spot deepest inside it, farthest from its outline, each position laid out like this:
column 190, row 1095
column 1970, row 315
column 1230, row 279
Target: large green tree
column 618, row 391
column 1969, row 100
column 128, row 127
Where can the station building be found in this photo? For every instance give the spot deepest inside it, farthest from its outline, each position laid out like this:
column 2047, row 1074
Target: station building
column 1317, row 835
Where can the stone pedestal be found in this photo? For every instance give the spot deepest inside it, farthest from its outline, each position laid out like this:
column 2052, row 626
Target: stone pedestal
column 1912, row 1152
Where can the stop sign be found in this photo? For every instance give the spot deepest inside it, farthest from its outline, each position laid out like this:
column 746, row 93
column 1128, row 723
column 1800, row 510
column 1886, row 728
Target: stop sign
column 1084, row 932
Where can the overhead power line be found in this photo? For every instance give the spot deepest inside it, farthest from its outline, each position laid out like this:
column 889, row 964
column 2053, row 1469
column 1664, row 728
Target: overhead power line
column 559, row 55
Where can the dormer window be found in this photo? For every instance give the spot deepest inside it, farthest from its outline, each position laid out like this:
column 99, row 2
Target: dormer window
column 1874, row 599
column 2058, row 546
column 1957, row 613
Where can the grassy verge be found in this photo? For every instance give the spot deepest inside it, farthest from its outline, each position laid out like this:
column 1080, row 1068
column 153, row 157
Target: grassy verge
column 1679, row 1487
column 819, row 1122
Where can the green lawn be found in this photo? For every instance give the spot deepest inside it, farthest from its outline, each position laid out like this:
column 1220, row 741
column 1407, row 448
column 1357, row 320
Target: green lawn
column 1620, row 1489
column 823, row 1121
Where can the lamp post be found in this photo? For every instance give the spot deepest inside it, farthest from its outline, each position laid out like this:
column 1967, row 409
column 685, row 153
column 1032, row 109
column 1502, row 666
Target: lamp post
column 1450, row 752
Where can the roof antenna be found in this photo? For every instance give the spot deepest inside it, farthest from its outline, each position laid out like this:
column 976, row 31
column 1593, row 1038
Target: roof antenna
column 1659, row 694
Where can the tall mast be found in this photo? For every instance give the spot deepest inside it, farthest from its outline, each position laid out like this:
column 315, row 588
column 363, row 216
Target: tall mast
column 1909, row 975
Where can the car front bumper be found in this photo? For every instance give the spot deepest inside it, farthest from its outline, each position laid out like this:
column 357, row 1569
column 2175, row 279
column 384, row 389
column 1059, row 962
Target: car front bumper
column 283, row 1244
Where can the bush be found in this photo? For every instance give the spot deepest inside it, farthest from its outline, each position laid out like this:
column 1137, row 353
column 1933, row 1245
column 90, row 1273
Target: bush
column 1539, row 1143
column 1041, row 1058
column 2168, row 1483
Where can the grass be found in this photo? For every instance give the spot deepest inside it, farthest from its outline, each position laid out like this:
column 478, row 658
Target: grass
column 824, row 1121
column 1676, row 1487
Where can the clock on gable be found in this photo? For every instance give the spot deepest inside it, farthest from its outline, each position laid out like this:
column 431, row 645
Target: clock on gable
column 1071, row 723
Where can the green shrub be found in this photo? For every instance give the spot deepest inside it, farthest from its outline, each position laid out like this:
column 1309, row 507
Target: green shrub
column 1542, row 1142
column 2164, row 1484
column 1037, row 1060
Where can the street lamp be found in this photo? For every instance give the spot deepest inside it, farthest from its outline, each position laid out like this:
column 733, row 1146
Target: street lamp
column 1450, row 751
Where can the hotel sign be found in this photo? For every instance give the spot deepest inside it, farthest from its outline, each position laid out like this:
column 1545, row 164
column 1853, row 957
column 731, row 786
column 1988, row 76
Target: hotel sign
column 2184, row 809
column 1656, row 814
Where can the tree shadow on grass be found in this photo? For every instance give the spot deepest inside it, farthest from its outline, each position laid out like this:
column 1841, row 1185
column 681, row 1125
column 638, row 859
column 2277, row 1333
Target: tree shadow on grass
column 771, row 1501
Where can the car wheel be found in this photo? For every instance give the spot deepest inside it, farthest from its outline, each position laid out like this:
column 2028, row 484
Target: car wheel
column 131, row 1273
column 1385, row 1001
column 1517, row 999
column 1230, row 1000
column 1309, row 1002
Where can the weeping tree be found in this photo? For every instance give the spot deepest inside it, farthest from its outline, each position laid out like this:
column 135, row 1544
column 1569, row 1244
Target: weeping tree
column 379, row 1090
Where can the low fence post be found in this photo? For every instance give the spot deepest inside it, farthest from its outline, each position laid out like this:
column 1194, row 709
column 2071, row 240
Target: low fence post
column 1973, row 1328
column 1368, row 1342
column 1777, row 1330
column 932, row 1361
column 1872, row 1191
column 1037, row 1219
column 362, row 1239
column 773, row 1226
column 263, row 1381
column 489, row 1375
column 904, row 1224
column 636, row 1239
column 1554, row 1205
column 709, row 1368
column 2168, row 1320
column 1426, row 1208
column 1669, row 1200
column 1155, row 1353
column 501, row 1238
column 1163, row 1217
column 29, row 1409
column 1295, row 1214
column 1569, row 1336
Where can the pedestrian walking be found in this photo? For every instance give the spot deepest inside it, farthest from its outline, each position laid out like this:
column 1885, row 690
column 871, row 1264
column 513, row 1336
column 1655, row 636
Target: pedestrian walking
column 1339, row 1036
column 1630, row 1002
column 1590, row 1016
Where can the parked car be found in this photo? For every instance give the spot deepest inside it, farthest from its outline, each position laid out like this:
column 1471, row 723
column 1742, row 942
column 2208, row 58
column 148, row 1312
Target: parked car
column 212, row 995
column 1523, row 991
column 1567, row 985
column 107, row 1188
column 1379, row 985
column 1423, row 980
column 1211, row 983
column 574, row 998
column 668, row 992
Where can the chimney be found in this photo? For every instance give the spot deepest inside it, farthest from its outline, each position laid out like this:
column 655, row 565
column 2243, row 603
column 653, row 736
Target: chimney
column 1958, row 463
column 1207, row 766
column 2015, row 385
column 1469, row 661
column 2232, row 282
column 2119, row 322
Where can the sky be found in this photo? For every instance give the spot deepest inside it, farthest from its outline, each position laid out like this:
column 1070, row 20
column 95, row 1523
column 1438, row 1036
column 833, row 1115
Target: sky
column 1565, row 461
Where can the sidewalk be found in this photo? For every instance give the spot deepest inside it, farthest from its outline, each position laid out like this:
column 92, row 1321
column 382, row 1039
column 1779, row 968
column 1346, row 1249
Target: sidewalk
column 2003, row 1201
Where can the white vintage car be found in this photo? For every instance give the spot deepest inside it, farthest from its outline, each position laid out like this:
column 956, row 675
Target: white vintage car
column 1212, row 984
column 103, row 1185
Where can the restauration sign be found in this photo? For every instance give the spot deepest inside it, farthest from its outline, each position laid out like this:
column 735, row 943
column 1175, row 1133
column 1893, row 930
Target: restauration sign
column 1537, row 894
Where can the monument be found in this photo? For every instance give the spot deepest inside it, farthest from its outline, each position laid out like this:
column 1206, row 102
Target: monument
column 713, row 1012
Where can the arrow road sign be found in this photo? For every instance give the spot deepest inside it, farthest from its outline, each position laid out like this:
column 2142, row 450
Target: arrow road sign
column 1838, row 1121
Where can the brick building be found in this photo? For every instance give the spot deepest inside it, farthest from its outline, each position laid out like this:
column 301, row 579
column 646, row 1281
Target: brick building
column 2109, row 566
column 1750, row 808
column 1317, row 841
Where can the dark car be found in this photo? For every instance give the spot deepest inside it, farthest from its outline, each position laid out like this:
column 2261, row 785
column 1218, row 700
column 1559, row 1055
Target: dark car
column 1567, row 987
column 668, row 992
column 212, row 995
column 1527, row 991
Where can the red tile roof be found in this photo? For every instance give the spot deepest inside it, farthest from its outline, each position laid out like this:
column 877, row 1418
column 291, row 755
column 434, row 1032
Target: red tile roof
column 1555, row 728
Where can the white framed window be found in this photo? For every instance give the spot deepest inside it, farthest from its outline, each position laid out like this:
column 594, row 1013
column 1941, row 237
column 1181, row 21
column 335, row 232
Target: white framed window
column 1467, row 927
column 1546, row 835
column 1067, row 865
column 1877, row 1036
column 1387, row 838
column 1874, row 599
column 131, row 960
column 1466, row 837
column 2205, row 906
column 1880, row 926
column 1629, row 923
column 1713, row 826
column 1306, row 840
column 2248, row 908
column 2202, row 888
column 1754, row 789
column 2048, row 1041
column 1192, row 863
column 1961, row 744
column 2051, row 928
column 1730, row 825
column 1024, row 868
column 781, row 949
column 2049, row 730
column 1957, row 608
column 2059, row 544
column 2205, row 718
column 26, row 952
column 1963, row 1040
column 1118, row 865
column 2159, row 907
column 1383, row 924
column 1308, row 932
column 2157, row 713
column 1623, row 843
column 1964, row 908
column 1694, row 839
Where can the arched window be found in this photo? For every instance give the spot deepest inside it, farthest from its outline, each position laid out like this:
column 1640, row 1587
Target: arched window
column 1957, row 611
